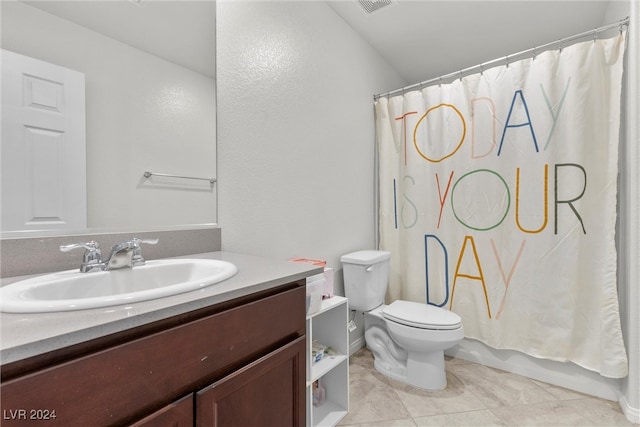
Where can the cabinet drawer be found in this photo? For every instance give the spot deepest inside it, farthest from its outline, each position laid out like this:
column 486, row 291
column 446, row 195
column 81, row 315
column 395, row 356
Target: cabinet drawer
column 126, row 381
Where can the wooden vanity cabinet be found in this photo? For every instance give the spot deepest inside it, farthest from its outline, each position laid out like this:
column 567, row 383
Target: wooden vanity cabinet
column 176, row 414
column 239, row 363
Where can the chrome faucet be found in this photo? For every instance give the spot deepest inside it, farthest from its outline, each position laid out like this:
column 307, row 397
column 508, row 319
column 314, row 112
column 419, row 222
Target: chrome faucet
column 127, row 254
column 123, row 255
column 92, row 258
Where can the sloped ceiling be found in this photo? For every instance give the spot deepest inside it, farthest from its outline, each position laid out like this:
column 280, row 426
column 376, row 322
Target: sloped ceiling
column 182, row 32
column 422, row 39
column 430, row 38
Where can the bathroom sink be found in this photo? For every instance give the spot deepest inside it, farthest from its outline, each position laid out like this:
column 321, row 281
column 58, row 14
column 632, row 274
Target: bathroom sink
column 72, row 290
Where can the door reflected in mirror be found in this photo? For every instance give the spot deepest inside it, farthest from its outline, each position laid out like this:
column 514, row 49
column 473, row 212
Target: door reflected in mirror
column 150, row 103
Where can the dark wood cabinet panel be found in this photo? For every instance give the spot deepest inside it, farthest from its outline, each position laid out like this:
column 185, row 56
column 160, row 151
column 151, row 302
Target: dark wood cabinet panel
column 177, row 414
column 129, row 380
column 270, row 392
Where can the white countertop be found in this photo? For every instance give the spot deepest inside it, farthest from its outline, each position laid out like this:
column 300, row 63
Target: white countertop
column 27, row 335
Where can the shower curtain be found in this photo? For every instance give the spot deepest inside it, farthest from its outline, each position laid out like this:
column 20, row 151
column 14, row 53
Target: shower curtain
column 497, row 200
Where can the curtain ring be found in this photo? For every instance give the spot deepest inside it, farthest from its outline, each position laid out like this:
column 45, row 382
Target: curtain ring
column 560, row 45
column 595, row 35
column 533, row 58
column 507, row 58
column 481, row 69
column 440, row 81
column 460, row 74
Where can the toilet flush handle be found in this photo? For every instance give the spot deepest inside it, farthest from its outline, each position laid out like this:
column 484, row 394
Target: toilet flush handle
column 370, row 268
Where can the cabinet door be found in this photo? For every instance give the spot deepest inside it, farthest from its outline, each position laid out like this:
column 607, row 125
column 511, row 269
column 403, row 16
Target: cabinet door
column 267, row 392
column 177, row 414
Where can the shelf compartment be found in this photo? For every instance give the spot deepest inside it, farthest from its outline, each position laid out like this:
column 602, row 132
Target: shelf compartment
column 324, row 366
column 328, row 304
column 336, row 385
column 328, row 327
column 328, row 414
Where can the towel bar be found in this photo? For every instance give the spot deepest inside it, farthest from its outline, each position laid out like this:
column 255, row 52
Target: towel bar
column 148, row 175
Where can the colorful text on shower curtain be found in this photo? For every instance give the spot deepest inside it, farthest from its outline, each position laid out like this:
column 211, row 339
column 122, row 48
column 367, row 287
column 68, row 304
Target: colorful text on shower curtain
column 498, row 201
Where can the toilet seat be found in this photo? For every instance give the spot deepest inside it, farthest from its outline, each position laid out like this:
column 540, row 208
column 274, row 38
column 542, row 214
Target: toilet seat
column 420, row 315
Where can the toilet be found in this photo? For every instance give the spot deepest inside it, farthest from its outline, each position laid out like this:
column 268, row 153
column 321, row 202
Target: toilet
column 407, row 339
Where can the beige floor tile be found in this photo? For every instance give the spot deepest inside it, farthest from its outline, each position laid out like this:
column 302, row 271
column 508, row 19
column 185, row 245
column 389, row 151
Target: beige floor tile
column 362, row 357
column 496, row 388
column 407, row 422
column 484, row 418
column 600, row 412
column 371, row 397
column 454, row 398
column 476, row 395
column 560, row 393
column 557, row 413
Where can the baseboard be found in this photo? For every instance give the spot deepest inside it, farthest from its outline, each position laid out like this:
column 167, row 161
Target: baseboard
column 632, row 414
column 356, row 345
column 567, row 375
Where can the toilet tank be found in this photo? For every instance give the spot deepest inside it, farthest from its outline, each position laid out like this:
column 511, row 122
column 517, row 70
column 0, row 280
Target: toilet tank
column 366, row 275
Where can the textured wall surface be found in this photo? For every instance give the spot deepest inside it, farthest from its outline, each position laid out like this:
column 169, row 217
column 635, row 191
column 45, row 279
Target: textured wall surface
column 296, row 130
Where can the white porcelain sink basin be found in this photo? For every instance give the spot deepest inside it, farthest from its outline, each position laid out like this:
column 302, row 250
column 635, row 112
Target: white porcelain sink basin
column 72, row 290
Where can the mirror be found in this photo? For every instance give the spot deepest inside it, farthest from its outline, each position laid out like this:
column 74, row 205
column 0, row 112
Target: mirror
column 150, row 105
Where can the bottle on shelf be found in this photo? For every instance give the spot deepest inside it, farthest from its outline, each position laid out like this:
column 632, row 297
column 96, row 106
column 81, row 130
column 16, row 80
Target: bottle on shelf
column 319, row 393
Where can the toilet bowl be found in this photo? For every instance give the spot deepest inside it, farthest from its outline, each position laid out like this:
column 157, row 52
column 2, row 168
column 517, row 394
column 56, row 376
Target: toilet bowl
column 407, row 338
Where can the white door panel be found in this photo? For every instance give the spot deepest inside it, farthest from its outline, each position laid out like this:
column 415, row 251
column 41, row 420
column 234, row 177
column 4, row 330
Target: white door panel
column 43, row 146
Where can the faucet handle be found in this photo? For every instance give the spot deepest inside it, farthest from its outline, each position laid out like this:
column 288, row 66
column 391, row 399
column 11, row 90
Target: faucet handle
column 92, row 254
column 137, row 258
column 147, row 241
column 91, row 246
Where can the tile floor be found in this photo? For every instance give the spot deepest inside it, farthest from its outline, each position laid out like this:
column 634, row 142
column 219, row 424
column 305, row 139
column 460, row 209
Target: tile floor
column 476, row 395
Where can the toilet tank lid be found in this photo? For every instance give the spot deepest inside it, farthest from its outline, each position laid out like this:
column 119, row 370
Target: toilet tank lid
column 365, row 257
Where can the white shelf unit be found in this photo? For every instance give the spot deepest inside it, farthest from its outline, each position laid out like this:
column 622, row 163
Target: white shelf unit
column 329, row 327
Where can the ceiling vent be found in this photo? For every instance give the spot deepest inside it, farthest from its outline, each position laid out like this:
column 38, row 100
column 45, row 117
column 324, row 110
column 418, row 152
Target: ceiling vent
column 370, row 6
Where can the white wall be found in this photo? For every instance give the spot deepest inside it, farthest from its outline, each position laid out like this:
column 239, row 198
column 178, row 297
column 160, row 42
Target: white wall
column 296, row 130
column 296, row 152
column 143, row 113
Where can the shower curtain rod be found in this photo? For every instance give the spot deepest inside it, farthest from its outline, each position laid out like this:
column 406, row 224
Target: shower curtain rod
column 535, row 50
